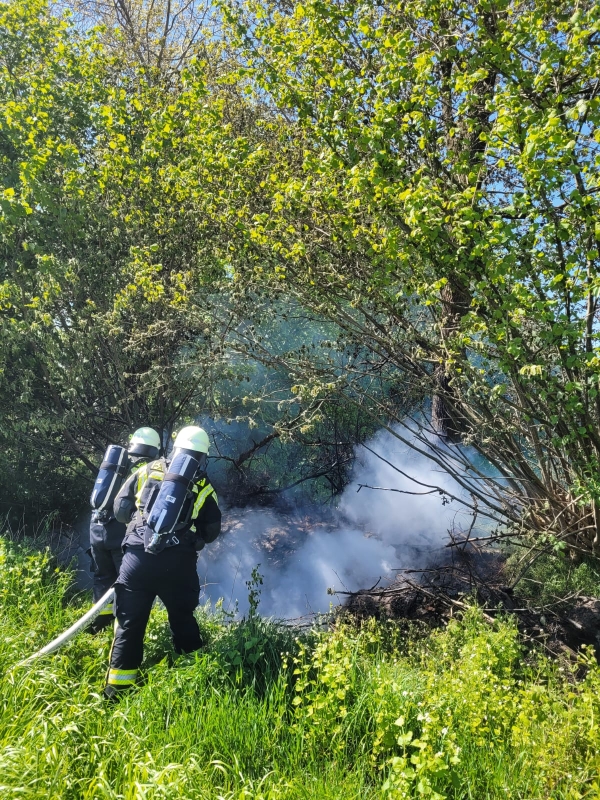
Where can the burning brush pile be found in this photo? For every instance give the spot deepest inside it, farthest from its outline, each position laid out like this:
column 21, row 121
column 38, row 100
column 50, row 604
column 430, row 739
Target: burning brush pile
column 304, row 558
column 432, row 596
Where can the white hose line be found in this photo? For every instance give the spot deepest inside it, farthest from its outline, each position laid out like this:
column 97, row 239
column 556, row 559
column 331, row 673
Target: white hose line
column 75, row 628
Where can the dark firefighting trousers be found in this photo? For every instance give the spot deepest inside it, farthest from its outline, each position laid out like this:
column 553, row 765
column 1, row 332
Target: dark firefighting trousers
column 170, row 575
column 106, row 540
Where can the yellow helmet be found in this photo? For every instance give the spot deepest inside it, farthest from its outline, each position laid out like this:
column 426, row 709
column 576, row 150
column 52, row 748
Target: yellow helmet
column 144, row 442
column 192, row 438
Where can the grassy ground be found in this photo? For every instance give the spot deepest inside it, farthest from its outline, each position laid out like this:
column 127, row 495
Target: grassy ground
column 370, row 713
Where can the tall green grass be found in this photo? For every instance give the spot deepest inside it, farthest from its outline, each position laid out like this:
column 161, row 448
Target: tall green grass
column 261, row 713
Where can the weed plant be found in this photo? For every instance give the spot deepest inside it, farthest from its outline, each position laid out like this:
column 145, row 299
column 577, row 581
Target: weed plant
column 553, row 576
column 265, row 714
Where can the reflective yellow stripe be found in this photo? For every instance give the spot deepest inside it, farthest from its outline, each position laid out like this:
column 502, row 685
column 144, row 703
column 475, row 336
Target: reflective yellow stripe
column 201, row 499
column 122, row 677
column 107, row 610
column 144, row 473
column 142, row 478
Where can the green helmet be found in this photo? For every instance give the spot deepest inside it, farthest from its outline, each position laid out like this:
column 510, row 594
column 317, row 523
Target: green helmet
column 145, row 442
column 192, row 438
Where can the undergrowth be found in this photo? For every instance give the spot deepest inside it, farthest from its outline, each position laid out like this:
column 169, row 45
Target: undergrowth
column 553, row 576
column 263, row 713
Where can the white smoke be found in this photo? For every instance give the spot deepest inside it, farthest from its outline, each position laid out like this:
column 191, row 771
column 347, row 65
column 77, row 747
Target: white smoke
column 374, row 533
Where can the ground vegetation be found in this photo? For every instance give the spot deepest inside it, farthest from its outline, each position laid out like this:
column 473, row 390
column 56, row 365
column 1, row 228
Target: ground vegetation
column 268, row 712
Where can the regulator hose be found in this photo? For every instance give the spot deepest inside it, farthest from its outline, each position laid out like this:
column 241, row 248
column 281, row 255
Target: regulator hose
column 75, row 628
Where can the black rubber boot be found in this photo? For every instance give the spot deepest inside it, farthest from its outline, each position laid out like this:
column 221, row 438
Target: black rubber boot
column 101, row 623
column 114, row 693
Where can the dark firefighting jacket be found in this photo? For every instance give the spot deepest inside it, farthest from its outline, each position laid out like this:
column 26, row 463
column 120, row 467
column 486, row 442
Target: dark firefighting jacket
column 199, row 521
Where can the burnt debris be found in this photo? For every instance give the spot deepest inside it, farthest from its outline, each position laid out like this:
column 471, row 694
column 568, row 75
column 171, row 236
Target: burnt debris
column 431, row 597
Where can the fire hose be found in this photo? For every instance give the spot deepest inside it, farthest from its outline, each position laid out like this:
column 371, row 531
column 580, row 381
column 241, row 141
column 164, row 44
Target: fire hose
column 75, row 628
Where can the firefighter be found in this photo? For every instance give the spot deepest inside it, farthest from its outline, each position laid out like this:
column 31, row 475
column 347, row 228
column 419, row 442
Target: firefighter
column 170, row 573
column 106, row 533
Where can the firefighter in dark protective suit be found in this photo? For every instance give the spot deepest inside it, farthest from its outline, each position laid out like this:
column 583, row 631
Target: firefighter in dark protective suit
column 106, row 532
column 161, row 566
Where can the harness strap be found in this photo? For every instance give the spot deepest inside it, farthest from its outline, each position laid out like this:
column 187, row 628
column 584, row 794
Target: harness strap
column 120, row 469
column 173, row 476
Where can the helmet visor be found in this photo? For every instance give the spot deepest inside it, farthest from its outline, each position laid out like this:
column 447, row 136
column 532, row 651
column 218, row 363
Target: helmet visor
column 142, row 450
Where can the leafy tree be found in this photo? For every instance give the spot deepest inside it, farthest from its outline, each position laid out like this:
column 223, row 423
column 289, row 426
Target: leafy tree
column 423, row 178
column 91, row 346
column 159, row 37
column 435, row 194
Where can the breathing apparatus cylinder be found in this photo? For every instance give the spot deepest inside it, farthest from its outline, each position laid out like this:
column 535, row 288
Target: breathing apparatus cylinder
column 113, row 469
column 173, row 492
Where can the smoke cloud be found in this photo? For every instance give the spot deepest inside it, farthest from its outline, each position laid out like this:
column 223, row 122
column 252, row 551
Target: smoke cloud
column 372, row 533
